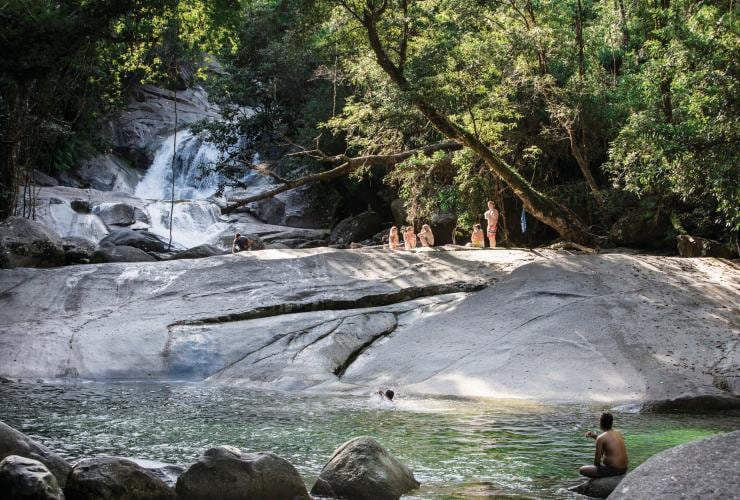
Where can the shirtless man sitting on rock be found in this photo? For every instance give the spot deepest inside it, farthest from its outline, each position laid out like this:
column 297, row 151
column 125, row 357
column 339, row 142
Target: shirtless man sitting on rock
column 609, row 445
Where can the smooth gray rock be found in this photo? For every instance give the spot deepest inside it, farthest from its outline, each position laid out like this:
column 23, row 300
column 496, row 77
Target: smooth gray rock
column 355, row 229
column 106, row 173
column 120, row 254
column 143, row 240
column 113, row 478
column 117, row 214
column 400, row 216
column 199, row 252
column 27, row 243
column 13, row 442
column 338, row 320
column 228, row 473
column 77, row 250
column 443, row 224
column 707, row 468
column 361, row 469
column 311, row 206
column 23, row 478
column 694, row 246
column 599, row 487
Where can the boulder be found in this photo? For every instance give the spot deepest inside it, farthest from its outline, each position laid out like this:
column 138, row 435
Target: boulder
column 228, row 473
column 77, row 250
column 269, row 211
column 143, row 240
column 120, row 254
column 355, row 228
column 115, row 214
column 23, row 478
column 443, row 225
column 41, row 179
column 694, row 246
column 113, row 478
column 362, row 469
column 27, row 243
column 400, row 216
column 598, row 488
column 199, row 252
column 700, row 469
column 107, row 173
column 80, row 206
column 641, row 228
column 13, row 442
column 312, row 206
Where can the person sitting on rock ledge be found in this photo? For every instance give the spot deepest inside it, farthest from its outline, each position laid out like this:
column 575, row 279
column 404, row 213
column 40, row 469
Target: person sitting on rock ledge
column 409, row 238
column 393, row 240
column 609, row 445
column 426, row 237
column 477, row 240
column 241, row 243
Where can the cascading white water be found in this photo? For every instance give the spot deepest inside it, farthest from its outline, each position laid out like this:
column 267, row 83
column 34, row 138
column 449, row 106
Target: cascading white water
column 191, row 156
column 194, row 222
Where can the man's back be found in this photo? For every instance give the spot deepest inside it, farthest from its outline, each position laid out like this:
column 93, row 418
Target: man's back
column 615, row 450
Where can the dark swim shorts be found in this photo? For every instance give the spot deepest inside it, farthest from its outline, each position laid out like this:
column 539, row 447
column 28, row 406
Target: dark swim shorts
column 607, row 471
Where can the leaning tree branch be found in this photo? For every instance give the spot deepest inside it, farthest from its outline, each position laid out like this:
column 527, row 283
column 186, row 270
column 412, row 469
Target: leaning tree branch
column 345, row 165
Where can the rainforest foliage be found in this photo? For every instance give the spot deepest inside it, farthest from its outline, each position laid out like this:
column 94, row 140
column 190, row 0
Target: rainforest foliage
column 581, row 112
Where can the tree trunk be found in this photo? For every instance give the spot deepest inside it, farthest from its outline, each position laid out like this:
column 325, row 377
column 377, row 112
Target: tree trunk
column 557, row 216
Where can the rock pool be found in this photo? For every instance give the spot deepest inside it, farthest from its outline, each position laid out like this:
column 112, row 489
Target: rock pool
column 457, row 448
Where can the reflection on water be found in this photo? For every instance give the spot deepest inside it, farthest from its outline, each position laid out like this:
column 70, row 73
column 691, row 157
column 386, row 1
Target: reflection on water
column 457, row 449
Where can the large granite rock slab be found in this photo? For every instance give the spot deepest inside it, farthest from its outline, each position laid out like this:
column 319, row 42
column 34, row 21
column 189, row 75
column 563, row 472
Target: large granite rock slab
column 228, row 473
column 707, row 468
column 27, row 243
column 361, row 469
column 23, row 478
column 13, row 442
column 114, row 478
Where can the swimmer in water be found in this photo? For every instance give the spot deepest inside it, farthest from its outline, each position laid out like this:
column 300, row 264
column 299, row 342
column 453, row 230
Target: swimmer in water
column 386, row 395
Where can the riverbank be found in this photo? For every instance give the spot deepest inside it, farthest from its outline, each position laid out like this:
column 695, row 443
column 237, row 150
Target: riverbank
column 538, row 325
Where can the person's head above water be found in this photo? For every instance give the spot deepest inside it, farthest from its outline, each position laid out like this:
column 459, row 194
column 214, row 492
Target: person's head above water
column 606, row 421
column 389, row 394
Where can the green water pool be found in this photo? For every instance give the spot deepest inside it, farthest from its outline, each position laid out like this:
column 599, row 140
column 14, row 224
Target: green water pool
column 457, row 448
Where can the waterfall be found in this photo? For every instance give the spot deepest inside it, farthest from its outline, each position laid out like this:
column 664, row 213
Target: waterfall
column 194, row 222
column 191, row 155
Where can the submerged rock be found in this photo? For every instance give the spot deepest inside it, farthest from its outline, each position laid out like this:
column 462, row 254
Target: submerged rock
column 120, row 254
column 113, row 478
column 27, row 243
column 143, row 240
column 362, row 469
column 598, row 488
column 228, row 473
column 23, row 478
column 700, row 469
column 13, row 442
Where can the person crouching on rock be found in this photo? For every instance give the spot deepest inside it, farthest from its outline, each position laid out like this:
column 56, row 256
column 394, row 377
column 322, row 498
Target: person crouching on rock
column 426, row 237
column 477, row 240
column 393, row 240
column 241, row 243
column 409, row 238
column 609, row 446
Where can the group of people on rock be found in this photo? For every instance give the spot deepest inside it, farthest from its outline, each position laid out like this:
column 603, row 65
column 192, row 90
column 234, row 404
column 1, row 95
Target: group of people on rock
column 426, row 237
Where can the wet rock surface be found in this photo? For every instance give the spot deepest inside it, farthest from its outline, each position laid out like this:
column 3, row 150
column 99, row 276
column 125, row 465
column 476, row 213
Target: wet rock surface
column 27, row 243
column 27, row 479
column 228, row 473
column 362, row 469
column 599, row 487
column 13, row 442
column 113, row 478
column 706, row 468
